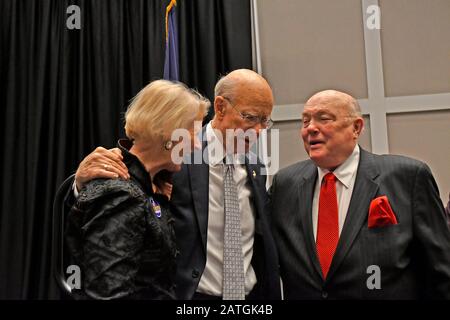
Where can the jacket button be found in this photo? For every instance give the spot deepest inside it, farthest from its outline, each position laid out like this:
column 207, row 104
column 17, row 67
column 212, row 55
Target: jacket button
column 324, row 294
column 195, row 273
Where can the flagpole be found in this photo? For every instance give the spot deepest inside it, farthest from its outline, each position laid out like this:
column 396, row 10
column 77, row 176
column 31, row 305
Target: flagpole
column 257, row 66
column 256, row 50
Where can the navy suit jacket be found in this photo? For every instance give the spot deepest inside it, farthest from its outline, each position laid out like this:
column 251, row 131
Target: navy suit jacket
column 413, row 256
column 189, row 206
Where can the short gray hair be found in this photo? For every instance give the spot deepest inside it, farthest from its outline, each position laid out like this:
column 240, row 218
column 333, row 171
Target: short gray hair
column 225, row 87
column 355, row 108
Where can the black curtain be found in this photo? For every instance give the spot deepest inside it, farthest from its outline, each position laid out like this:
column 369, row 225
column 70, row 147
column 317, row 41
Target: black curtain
column 63, row 92
column 215, row 38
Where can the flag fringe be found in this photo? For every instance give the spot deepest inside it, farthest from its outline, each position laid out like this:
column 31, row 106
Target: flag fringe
column 168, row 9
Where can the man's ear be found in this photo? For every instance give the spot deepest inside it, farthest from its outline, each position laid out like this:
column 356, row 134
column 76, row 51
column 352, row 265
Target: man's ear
column 358, row 126
column 219, row 106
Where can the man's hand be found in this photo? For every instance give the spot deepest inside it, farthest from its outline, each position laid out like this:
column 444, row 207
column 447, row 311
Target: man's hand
column 101, row 163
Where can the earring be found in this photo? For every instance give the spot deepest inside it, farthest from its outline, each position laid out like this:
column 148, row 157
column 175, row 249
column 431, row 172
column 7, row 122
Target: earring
column 168, row 145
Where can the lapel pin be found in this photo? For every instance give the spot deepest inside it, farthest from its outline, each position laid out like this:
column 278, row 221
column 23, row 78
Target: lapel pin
column 156, row 208
column 254, row 173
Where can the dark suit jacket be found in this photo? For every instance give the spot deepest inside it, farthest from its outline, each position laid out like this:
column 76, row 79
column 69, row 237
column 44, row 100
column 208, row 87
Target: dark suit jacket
column 413, row 256
column 189, row 206
column 447, row 211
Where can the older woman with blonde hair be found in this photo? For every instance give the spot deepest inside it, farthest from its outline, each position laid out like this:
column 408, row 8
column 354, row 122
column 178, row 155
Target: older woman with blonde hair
column 120, row 231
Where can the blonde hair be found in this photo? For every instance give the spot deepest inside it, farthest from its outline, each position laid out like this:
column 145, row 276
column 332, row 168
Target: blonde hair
column 161, row 107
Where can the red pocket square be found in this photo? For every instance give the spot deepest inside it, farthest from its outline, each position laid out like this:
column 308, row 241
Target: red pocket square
column 380, row 213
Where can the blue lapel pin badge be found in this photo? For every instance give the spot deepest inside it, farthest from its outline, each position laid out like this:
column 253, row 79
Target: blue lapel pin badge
column 156, row 208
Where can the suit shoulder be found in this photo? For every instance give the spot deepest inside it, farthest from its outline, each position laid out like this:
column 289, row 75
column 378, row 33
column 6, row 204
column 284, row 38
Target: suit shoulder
column 295, row 170
column 389, row 162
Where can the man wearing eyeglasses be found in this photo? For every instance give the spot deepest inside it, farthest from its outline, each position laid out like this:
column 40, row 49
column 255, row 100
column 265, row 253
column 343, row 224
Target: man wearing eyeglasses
column 210, row 199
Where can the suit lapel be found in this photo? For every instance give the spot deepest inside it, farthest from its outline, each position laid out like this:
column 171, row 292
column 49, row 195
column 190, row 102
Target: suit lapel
column 199, row 176
column 364, row 191
column 305, row 198
column 252, row 175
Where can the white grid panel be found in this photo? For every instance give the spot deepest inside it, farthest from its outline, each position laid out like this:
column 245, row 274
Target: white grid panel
column 377, row 106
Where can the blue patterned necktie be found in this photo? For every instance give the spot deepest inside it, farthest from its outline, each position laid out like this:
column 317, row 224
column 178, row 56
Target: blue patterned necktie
column 233, row 259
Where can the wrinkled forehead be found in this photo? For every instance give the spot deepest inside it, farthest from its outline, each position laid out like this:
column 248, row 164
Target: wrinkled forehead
column 327, row 105
column 257, row 104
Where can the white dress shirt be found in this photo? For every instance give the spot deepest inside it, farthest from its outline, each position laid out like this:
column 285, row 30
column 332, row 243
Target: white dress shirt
column 211, row 280
column 346, row 176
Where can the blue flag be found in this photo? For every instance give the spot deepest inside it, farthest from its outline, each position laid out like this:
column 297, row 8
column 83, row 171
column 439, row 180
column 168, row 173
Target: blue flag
column 171, row 70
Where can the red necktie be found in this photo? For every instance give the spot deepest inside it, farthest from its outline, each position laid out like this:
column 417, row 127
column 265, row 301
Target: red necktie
column 328, row 224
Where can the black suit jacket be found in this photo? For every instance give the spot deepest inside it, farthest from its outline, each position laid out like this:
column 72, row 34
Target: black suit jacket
column 189, row 206
column 413, row 256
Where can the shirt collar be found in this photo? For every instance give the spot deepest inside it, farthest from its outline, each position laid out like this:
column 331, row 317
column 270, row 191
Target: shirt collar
column 216, row 153
column 346, row 170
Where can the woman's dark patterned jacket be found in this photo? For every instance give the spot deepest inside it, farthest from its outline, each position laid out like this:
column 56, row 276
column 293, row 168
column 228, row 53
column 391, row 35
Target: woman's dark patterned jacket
column 122, row 240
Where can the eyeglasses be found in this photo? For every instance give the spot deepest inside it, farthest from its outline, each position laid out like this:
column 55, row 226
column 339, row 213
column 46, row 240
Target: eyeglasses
column 251, row 119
